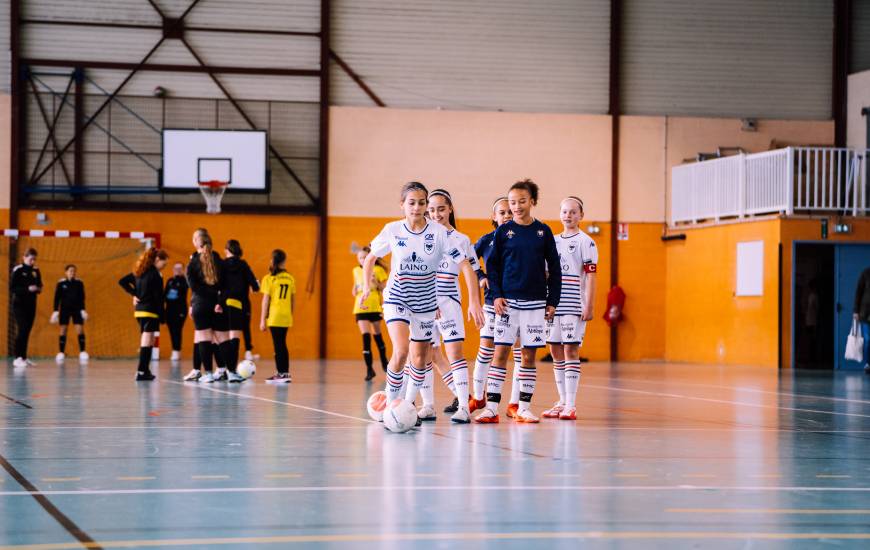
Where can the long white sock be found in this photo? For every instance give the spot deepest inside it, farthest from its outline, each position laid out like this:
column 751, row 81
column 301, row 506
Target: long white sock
column 559, row 374
column 428, row 389
column 527, row 379
column 572, row 382
column 393, row 388
column 481, row 369
column 460, row 380
column 494, row 383
column 416, row 382
column 515, row 385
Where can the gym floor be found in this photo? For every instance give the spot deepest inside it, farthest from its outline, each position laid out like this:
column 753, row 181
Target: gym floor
column 664, row 455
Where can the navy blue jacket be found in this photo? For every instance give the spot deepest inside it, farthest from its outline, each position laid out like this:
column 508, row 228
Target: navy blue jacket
column 517, row 268
column 483, row 249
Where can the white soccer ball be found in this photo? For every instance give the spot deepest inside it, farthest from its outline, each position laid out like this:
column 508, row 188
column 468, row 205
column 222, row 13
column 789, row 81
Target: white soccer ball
column 400, row 416
column 246, row 369
column 375, row 405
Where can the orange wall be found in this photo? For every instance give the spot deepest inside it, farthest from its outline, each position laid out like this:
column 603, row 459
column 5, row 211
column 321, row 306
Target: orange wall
column 642, row 276
column 808, row 230
column 258, row 234
column 705, row 322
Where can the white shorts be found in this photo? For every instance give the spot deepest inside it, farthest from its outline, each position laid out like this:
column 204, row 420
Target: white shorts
column 488, row 328
column 526, row 324
column 566, row 329
column 450, row 324
column 422, row 325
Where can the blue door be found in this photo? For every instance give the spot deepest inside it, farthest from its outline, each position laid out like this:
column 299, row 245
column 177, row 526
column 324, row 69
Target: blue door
column 851, row 260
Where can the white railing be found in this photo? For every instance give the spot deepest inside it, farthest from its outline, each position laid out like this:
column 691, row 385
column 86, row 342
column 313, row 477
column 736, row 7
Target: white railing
column 783, row 181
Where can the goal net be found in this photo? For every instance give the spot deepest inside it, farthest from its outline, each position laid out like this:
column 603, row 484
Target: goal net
column 101, row 258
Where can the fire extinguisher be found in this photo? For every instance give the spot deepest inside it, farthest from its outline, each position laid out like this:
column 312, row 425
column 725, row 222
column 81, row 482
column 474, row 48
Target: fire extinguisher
column 615, row 305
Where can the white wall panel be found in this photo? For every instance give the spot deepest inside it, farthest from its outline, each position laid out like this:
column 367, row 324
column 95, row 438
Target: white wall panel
column 548, row 55
column 741, row 58
column 104, row 11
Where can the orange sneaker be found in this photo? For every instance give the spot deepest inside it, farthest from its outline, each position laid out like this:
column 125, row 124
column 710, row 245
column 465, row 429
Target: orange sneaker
column 512, row 410
column 568, row 413
column 526, row 417
column 476, row 404
column 487, row 417
column 554, row 411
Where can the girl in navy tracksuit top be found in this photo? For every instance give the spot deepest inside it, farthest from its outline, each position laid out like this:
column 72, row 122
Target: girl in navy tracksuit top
column 525, row 295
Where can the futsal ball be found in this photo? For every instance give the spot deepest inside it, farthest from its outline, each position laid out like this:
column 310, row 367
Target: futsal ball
column 400, row 416
column 246, row 369
column 375, row 405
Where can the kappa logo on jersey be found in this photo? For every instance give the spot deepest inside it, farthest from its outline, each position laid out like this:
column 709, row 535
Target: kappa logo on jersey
column 401, row 241
column 413, row 263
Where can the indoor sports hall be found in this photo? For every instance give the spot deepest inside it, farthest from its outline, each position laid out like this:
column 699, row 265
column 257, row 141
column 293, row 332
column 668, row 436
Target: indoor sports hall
column 434, row 274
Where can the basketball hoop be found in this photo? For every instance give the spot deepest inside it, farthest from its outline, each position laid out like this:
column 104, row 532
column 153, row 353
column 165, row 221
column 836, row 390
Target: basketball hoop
column 213, row 191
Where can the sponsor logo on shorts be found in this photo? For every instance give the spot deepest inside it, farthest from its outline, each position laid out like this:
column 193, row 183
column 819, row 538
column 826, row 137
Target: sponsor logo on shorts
column 538, row 339
column 534, row 329
column 454, row 333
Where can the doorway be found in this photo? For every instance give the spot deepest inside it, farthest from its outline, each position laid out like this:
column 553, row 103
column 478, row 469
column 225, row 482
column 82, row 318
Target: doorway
column 824, row 279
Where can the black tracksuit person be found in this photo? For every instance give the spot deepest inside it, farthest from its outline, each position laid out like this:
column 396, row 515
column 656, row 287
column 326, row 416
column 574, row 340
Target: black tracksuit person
column 236, row 281
column 147, row 292
column 175, row 295
column 69, row 305
column 25, row 284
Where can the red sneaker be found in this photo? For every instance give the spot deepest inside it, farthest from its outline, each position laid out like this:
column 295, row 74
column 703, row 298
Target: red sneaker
column 487, row 417
column 568, row 413
column 554, row 411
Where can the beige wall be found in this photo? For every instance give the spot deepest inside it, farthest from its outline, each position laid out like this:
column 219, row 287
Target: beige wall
column 476, row 156
column 858, row 98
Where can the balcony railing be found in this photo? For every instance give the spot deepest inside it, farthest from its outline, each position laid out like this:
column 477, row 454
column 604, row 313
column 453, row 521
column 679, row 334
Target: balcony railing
column 784, row 181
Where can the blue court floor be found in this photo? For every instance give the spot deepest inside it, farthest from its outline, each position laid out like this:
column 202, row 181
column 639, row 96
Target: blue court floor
column 663, row 456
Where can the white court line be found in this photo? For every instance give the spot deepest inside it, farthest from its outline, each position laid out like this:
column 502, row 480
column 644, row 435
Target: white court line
column 443, row 488
column 303, row 407
column 725, row 401
column 545, row 426
column 197, row 427
column 736, row 388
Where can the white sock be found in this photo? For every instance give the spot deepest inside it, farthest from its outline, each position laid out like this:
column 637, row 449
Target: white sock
column 416, row 382
column 527, row 378
column 428, row 389
column 515, row 385
column 559, row 374
column 406, row 376
column 459, row 368
column 393, row 388
column 572, row 382
column 481, row 369
column 494, row 383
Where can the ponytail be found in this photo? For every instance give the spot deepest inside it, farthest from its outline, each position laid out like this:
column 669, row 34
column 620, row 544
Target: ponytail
column 278, row 258
column 206, row 260
column 147, row 259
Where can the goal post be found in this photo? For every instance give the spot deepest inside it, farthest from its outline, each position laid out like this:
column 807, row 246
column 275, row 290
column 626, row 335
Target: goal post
column 101, row 258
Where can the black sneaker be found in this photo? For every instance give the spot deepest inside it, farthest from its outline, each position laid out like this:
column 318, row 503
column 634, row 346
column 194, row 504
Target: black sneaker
column 370, row 374
column 867, row 368
column 453, row 407
column 144, row 376
column 279, row 378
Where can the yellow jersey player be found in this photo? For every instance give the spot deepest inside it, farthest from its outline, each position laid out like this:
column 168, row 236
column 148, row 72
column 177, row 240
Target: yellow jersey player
column 369, row 314
column 278, row 289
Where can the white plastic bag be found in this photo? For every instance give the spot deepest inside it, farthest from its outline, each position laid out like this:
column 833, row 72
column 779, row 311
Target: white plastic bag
column 855, row 344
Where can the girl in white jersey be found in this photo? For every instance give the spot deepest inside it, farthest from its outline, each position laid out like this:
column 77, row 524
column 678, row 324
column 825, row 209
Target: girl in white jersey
column 450, row 324
column 578, row 257
column 417, row 247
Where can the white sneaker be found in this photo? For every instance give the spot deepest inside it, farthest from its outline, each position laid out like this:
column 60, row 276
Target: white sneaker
column 461, row 416
column 176, row 356
column 427, row 413
column 59, row 358
column 526, row 417
column 249, row 356
column 19, row 363
column 193, row 376
column 30, row 363
column 234, row 378
column 84, row 357
column 208, row 378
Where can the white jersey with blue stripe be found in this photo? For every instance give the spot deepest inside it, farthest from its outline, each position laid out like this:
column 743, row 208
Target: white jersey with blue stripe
column 416, row 257
column 447, row 279
column 578, row 256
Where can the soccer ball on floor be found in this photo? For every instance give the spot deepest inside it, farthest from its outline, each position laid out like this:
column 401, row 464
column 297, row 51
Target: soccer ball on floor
column 375, row 405
column 246, row 369
column 400, row 416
